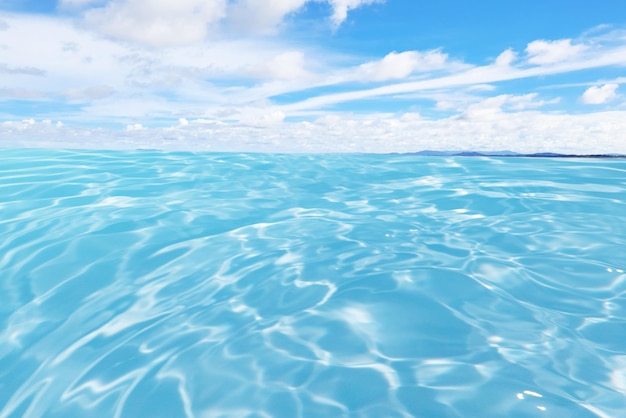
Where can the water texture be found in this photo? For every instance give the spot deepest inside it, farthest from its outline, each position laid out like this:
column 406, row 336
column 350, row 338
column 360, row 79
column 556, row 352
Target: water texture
column 150, row 284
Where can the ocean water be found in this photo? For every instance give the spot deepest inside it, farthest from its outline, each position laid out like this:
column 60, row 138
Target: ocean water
column 151, row 284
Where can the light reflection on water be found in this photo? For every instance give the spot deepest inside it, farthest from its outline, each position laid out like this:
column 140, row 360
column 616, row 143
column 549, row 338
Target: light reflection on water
column 178, row 284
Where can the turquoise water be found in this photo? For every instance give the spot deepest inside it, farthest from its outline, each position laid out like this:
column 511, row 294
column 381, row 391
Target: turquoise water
column 149, row 284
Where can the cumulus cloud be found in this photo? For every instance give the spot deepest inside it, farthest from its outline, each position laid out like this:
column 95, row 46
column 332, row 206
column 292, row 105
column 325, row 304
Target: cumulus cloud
column 400, row 65
column 157, row 23
column 599, row 94
column 524, row 132
column 3, row 25
column 549, row 52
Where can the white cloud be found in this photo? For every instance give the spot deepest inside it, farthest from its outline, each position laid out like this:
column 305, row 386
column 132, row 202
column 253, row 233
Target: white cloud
column 89, row 93
column 22, row 93
column 410, row 117
column 342, row 7
column 71, row 62
column 5, row 69
column 482, row 87
column 495, row 106
column 65, row 58
column 400, row 65
column 262, row 16
column 135, row 127
column 506, row 58
column 157, row 23
column 265, row 131
column 260, row 117
column 466, row 75
column 126, row 84
column 288, row 65
column 167, row 23
column 549, row 52
column 599, row 95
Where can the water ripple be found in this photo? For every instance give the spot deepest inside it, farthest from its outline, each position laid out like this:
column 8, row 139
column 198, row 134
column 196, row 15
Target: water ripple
column 208, row 285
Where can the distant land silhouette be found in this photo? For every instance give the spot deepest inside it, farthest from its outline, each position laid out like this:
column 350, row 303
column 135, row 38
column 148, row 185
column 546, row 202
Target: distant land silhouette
column 512, row 154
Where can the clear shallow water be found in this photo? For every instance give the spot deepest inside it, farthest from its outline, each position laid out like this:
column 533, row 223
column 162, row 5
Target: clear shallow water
column 221, row 285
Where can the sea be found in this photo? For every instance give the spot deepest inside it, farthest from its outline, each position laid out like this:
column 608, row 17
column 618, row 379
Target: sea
column 178, row 284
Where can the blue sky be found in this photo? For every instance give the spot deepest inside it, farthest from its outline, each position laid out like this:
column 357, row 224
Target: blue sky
column 314, row 75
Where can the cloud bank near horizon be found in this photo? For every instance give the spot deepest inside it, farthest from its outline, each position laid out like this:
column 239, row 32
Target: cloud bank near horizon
column 485, row 128
column 241, row 75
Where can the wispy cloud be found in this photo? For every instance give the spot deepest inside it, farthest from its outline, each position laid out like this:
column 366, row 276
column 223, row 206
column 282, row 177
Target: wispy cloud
column 539, row 62
column 6, row 69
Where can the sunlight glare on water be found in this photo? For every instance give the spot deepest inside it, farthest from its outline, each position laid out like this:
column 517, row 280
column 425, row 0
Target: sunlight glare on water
column 151, row 284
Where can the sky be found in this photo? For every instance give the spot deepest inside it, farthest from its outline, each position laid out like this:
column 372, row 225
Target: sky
column 314, row 75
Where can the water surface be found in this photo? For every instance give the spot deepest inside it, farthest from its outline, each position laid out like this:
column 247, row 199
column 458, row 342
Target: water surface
column 255, row 285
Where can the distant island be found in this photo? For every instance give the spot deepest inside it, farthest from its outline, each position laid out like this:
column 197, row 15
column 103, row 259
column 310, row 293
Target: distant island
column 512, row 154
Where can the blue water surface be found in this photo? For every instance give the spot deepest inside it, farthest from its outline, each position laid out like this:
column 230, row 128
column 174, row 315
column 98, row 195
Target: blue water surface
column 151, row 284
